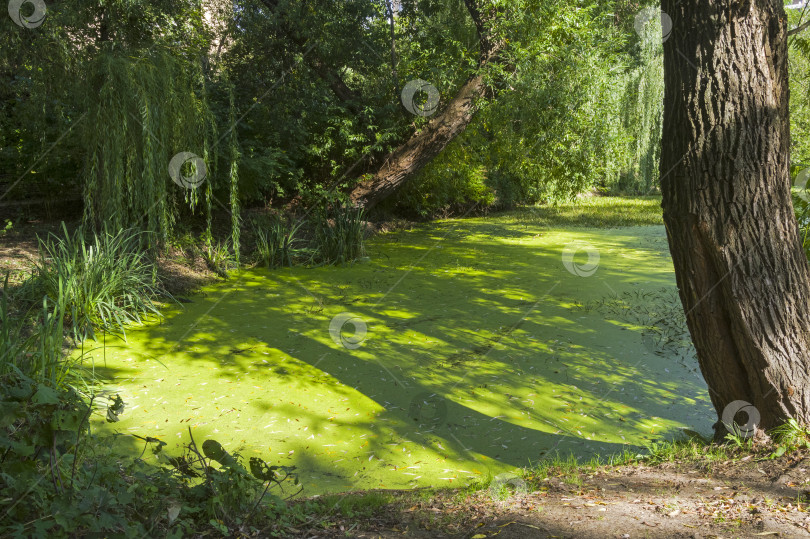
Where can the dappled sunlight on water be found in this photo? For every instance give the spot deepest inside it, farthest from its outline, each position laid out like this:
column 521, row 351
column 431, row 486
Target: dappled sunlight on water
column 469, row 350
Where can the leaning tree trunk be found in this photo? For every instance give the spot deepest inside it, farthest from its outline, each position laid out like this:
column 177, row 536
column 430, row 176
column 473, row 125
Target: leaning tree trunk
column 742, row 273
column 401, row 164
column 422, row 147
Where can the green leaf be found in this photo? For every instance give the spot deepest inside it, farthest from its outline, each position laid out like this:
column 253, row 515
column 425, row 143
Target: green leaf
column 114, row 409
column 10, row 412
column 261, row 470
column 20, row 448
column 67, row 420
column 45, row 395
column 214, row 451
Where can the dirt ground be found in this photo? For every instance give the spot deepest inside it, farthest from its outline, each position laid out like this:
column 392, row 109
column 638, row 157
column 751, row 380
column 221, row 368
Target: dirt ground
column 18, row 248
column 180, row 273
column 744, row 498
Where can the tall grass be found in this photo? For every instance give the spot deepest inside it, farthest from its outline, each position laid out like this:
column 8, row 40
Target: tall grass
column 32, row 343
column 103, row 284
column 277, row 243
column 339, row 236
column 218, row 257
column 15, row 346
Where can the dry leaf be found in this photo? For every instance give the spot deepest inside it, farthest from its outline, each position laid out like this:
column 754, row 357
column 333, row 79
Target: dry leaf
column 174, row 511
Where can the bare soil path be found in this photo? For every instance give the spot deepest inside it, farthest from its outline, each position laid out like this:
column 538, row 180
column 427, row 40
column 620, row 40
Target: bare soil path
column 742, row 498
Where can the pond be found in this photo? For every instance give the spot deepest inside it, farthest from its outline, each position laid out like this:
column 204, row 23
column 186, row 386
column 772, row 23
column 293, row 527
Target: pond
column 457, row 351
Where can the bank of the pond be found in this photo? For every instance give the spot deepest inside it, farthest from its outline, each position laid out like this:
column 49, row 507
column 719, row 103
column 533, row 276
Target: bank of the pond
column 460, row 350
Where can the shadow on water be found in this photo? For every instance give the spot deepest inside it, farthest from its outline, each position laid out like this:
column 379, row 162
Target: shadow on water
column 465, row 353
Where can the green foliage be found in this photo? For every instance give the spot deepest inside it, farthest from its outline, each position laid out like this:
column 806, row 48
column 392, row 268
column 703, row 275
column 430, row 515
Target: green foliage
column 59, row 480
column 233, row 177
column 582, row 109
column 801, row 206
column 107, row 93
column 336, row 236
column 39, row 440
column 277, row 242
column 283, row 102
column 789, row 437
column 642, row 116
column 227, row 496
column 143, row 111
column 451, row 183
column 799, row 81
column 218, row 256
column 31, row 343
column 556, row 134
column 103, row 284
column 737, row 437
column 339, row 235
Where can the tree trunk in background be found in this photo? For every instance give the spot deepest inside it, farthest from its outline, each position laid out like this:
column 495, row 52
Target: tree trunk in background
column 401, row 164
column 422, row 147
column 742, row 273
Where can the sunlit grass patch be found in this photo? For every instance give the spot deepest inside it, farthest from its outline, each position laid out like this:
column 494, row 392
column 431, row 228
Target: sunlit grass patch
column 593, row 211
column 354, row 505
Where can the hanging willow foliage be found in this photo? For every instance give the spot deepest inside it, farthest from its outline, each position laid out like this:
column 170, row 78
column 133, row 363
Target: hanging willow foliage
column 233, row 175
column 645, row 107
column 143, row 111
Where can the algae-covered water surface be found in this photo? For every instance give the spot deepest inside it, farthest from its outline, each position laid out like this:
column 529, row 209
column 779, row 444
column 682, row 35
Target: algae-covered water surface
column 460, row 350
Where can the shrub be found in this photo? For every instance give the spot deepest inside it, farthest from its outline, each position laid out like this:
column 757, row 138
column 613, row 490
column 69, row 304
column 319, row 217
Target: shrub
column 31, row 344
column 59, row 480
column 451, row 183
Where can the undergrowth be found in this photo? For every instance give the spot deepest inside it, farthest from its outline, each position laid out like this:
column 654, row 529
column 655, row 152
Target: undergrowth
column 106, row 282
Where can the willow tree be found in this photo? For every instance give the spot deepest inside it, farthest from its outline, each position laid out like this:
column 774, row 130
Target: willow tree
column 742, row 273
column 112, row 92
column 643, row 102
column 142, row 111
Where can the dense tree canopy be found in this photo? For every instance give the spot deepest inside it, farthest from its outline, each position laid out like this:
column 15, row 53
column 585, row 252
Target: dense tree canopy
column 180, row 135
column 555, row 95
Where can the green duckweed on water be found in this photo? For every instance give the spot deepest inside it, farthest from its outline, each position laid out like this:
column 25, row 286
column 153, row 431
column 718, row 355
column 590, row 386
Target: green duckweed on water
column 460, row 350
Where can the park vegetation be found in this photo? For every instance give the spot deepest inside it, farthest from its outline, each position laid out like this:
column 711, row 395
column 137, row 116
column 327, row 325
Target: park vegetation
column 294, row 109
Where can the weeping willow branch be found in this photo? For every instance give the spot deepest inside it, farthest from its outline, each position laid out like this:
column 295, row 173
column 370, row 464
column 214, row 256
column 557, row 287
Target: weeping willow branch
column 142, row 112
column 233, row 177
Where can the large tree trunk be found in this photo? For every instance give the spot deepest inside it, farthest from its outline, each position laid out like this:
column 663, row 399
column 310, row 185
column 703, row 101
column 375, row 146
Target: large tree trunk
column 401, row 164
column 742, row 273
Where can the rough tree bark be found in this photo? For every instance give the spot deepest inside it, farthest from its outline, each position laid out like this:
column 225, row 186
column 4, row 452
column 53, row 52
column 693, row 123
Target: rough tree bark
column 742, row 274
column 401, row 164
